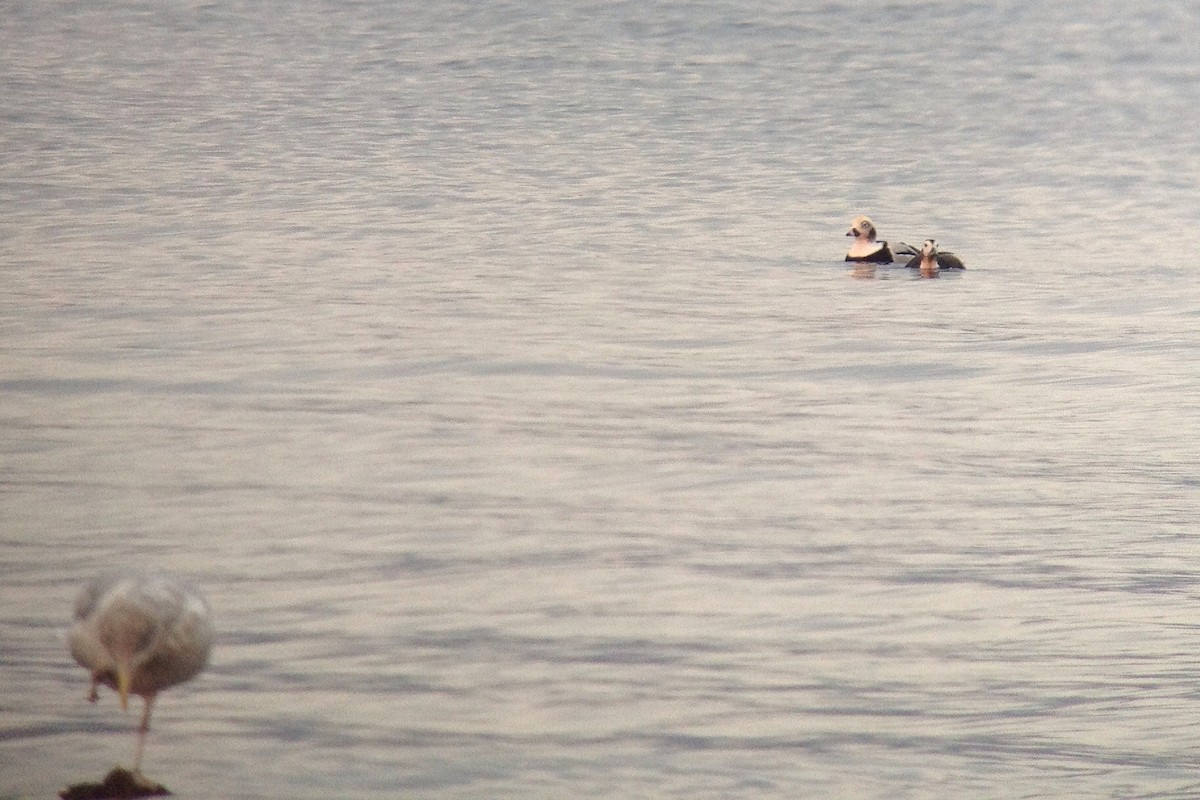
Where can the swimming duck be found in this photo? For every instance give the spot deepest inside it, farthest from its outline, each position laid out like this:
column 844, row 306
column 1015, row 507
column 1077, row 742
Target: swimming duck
column 865, row 248
column 931, row 260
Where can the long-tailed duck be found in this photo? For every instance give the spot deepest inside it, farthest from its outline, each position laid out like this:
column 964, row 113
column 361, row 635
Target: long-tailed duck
column 865, row 248
column 931, row 260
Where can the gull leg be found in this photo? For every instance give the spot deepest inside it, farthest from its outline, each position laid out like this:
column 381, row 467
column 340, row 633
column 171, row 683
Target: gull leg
column 141, row 737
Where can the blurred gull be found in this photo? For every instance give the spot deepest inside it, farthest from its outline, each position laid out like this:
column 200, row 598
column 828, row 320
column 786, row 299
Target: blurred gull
column 140, row 633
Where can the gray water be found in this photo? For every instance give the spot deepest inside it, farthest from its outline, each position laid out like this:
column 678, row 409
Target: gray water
column 493, row 368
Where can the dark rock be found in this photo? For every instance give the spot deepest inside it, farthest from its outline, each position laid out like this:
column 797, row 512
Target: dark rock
column 120, row 784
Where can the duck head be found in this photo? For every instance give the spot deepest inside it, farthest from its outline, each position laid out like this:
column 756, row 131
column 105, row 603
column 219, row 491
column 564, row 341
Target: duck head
column 862, row 228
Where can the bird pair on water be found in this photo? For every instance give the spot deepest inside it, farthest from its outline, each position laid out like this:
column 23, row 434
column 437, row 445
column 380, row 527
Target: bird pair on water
column 867, row 249
column 140, row 633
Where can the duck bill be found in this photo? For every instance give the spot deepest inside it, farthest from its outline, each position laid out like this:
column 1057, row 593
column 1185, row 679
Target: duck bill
column 124, row 680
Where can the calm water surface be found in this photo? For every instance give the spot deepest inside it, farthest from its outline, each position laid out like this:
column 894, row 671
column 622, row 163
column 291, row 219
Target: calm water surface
column 493, row 368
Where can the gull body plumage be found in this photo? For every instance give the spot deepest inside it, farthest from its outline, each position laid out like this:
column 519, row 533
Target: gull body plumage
column 140, row 633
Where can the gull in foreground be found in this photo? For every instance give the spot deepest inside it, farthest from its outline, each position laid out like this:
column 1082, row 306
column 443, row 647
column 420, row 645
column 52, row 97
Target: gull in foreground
column 140, row 633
